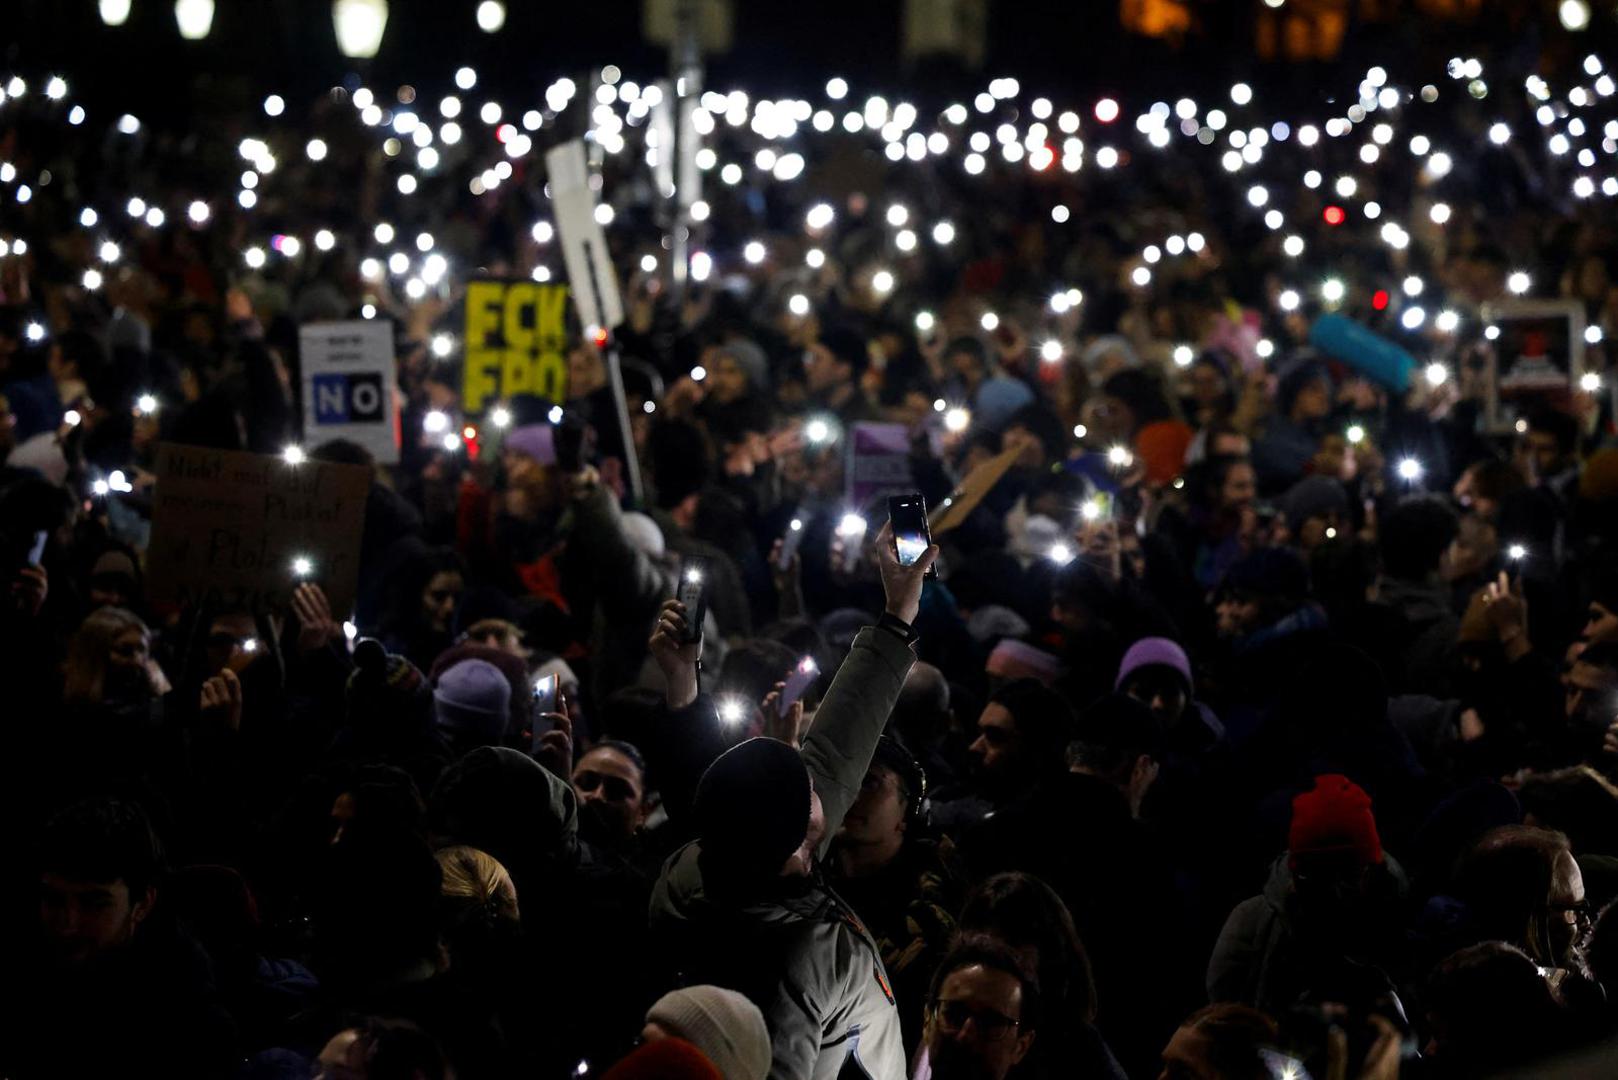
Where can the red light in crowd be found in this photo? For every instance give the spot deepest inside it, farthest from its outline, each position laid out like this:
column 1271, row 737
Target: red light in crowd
column 1334, row 215
column 600, row 337
column 504, row 132
column 1379, row 299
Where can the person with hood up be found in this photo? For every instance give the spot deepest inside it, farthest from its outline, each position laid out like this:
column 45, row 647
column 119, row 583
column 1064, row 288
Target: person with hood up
column 1326, row 923
column 744, row 905
column 584, row 911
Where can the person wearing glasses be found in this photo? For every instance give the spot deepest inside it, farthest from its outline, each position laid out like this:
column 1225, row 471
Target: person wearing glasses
column 1522, row 885
column 982, row 1014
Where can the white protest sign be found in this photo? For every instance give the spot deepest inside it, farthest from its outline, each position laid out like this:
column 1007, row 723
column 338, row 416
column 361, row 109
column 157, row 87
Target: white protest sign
column 348, row 381
column 589, row 269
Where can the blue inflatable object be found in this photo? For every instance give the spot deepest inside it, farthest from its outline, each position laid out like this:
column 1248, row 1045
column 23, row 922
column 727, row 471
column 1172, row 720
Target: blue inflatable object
column 1369, row 353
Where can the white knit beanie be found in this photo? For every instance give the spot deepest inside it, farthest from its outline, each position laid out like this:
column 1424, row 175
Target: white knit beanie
column 723, row 1024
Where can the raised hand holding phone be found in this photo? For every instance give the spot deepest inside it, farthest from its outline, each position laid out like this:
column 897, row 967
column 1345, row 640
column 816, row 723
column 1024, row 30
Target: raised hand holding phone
column 553, row 739
column 901, row 584
column 907, row 520
column 675, row 655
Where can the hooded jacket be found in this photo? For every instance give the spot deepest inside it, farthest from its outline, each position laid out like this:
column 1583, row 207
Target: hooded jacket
column 1265, row 959
column 802, row 955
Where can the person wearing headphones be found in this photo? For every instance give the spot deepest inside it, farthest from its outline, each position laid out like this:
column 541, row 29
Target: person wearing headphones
column 902, row 878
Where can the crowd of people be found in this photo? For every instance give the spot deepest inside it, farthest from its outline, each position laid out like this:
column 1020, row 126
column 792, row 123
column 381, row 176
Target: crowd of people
column 1260, row 721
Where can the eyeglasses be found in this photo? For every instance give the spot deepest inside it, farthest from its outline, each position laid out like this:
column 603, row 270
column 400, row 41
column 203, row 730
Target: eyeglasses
column 1575, row 914
column 990, row 1026
column 616, row 788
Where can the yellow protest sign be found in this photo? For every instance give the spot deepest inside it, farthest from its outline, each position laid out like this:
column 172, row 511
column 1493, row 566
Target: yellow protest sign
column 516, row 342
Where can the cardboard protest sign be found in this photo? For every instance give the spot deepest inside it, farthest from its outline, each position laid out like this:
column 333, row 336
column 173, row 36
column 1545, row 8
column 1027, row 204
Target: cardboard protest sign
column 516, row 343
column 228, row 528
column 971, row 490
column 1534, row 359
column 348, row 384
column 878, row 462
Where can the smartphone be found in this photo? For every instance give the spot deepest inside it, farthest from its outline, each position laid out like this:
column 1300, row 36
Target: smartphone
column 803, row 675
column 789, row 544
column 545, row 701
column 36, row 550
column 244, row 654
column 693, row 593
column 911, row 537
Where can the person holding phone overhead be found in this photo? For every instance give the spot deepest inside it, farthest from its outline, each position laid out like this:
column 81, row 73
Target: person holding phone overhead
column 742, row 905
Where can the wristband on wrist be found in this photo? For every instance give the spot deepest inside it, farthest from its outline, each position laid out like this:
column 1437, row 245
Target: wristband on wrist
column 895, row 625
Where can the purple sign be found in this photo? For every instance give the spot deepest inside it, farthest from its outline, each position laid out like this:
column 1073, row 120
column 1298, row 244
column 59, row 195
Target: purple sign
column 878, row 462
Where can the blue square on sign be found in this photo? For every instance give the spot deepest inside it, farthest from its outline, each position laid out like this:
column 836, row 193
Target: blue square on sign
column 331, row 399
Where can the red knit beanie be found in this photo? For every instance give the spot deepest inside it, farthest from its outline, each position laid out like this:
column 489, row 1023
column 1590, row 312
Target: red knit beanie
column 1334, row 818
column 665, row 1059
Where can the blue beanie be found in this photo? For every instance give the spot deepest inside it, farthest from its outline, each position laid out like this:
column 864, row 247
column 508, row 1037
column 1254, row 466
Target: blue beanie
column 472, row 701
column 998, row 400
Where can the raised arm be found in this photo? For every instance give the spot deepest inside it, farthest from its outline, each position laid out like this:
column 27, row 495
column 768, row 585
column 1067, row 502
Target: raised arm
column 839, row 746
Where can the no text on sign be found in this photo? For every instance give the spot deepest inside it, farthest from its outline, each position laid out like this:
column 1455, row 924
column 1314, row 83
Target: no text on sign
column 516, row 342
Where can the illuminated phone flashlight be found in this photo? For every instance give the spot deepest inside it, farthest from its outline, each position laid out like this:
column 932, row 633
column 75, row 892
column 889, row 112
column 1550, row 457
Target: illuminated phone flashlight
column 1119, row 457
column 1589, row 382
column 807, row 665
column 1050, row 351
column 146, row 405
column 117, row 481
column 72, row 418
column 302, row 566
column 1059, row 553
column 818, row 430
column 852, row 526
column 693, row 576
column 699, row 373
column 1091, row 510
column 500, row 416
column 1517, row 552
column 957, row 419
column 1355, row 434
column 1331, row 533
column 293, row 454
column 435, row 422
column 100, row 487
column 796, row 525
column 1437, row 374
column 250, row 645
column 1410, row 470
column 555, row 415
column 452, row 441
column 350, row 631
column 924, row 321
column 442, row 345
column 732, row 710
